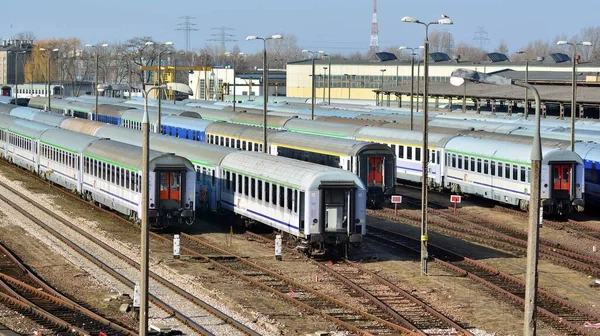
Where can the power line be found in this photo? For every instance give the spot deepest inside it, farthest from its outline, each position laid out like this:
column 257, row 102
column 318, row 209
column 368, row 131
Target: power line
column 222, row 36
column 481, row 37
column 187, row 27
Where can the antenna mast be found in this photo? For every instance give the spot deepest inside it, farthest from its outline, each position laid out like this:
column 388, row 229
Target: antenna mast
column 374, row 44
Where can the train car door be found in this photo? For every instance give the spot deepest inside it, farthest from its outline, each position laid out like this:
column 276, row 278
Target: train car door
column 562, row 179
column 170, row 190
column 375, row 171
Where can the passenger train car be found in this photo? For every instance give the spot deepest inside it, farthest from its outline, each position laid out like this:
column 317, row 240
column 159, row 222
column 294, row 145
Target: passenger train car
column 407, row 147
column 323, row 207
column 101, row 170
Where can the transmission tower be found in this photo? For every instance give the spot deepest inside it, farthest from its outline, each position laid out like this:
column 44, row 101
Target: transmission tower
column 481, row 37
column 187, row 26
column 374, row 43
column 222, row 36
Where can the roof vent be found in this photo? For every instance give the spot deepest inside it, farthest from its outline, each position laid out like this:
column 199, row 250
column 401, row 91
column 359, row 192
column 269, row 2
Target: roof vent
column 540, row 58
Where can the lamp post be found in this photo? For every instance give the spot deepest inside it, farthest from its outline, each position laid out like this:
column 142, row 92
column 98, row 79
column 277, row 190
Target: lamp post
column 96, row 75
column 412, row 79
column 16, row 74
column 159, row 79
column 144, row 240
column 324, row 81
column 381, row 88
column 48, row 72
column 531, row 282
column 234, row 59
column 348, row 76
column 329, row 81
column 526, row 107
column 265, row 82
column 313, row 94
column 445, row 20
column 418, row 83
column 574, row 85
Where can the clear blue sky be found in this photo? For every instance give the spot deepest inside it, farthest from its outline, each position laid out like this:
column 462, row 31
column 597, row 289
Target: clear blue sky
column 330, row 25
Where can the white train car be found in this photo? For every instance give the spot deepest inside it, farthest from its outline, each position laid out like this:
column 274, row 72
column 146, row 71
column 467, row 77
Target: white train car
column 322, row 206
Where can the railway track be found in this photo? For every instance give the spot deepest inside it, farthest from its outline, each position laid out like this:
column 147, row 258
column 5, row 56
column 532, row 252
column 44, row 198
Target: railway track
column 23, row 291
column 400, row 305
column 373, row 321
column 476, row 228
column 561, row 314
column 167, row 293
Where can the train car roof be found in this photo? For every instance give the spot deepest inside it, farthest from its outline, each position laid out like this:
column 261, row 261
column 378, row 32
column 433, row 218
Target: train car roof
column 397, row 136
column 124, row 155
column 321, row 128
column 186, row 122
column 238, row 131
column 253, row 119
column 71, row 141
column 82, row 126
column 28, row 128
column 323, row 144
column 7, row 107
column 287, row 172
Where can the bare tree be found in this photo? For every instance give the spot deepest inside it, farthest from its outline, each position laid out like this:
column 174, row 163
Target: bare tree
column 502, row 48
column 441, row 41
column 589, row 34
column 469, row 53
column 142, row 54
column 27, row 35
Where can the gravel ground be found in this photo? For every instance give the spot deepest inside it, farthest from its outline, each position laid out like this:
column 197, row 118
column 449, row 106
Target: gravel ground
column 155, row 315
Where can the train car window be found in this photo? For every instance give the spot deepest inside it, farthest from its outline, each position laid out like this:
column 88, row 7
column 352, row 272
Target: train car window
column 281, row 196
column 529, row 174
column 239, row 184
column 493, row 172
column 274, row 194
column 227, row 180
column 288, row 200
column 214, row 179
column 507, row 170
column 253, row 187
column 472, row 164
column 515, row 172
column 244, row 145
column 486, row 167
column 227, row 142
column 460, row 162
column 127, row 179
column 393, row 148
column 417, row 154
column 400, row 152
column 523, row 174
column 433, row 157
column 246, row 185
column 296, row 201
column 123, row 177
column 113, row 174
column 256, row 147
column 237, row 144
column 260, row 190
column 267, row 191
column 408, row 152
column 453, row 161
column 104, row 170
column 479, row 165
column 233, row 181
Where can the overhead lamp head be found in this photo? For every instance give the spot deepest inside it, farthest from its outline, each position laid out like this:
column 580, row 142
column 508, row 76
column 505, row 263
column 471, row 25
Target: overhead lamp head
column 562, row 42
column 89, row 45
column 277, row 37
column 402, row 48
column 521, row 52
column 421, row 47
column 42, row 49
column 168, row 43
column 586, row 43
column 457, row 81
column 149, row 43
column 409, row 19
column 305, row 50
column 444, row 21
column 250, row 38
column 479, row 77
column 55, row 49
column 104, row 45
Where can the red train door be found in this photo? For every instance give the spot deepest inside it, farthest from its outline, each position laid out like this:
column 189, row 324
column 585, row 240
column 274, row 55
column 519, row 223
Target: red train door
column 375, row 170
column 170, row 189
column 561, row 180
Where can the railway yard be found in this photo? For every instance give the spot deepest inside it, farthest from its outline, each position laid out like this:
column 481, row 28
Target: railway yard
column 229, row 283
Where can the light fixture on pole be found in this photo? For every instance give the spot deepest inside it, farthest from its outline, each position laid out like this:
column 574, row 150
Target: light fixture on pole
column 96, row 76
column 234, row 59
column 412, row 79
column 444, row 20
column 49, row 55
column 574, row 84
column 526, row 107
column 144, row 240
column 531, row 281
column 312, row 86
column 265, row 82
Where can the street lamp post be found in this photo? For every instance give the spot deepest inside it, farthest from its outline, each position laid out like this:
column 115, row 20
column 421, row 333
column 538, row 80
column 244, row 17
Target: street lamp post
column 445, row 20
column 381, row 89
column 412, row 79
column 96, row 75
column 329, row 82
column 144, row 240
column 531, row 282
column 17, row 74
column 49, row 55
column 574, row 85
column 313, row 93
column 418, row 84
column 526, row 107
column 324, row 81
column 159, row 79
column 234, row 69
column 265, row 82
